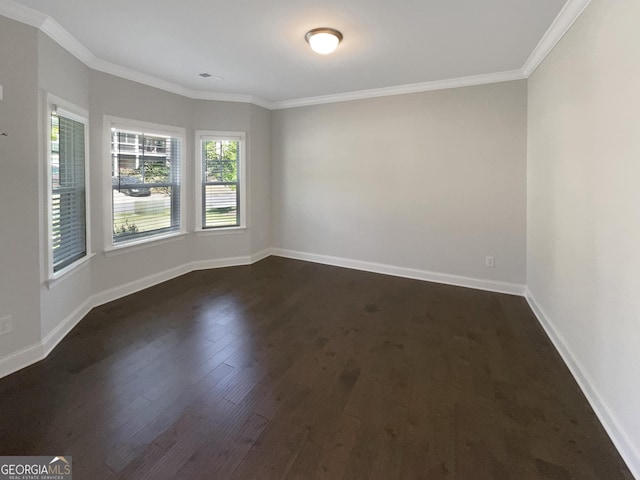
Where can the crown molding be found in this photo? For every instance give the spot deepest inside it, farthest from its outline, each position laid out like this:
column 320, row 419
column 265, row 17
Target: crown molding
column 261, row 102
column 46, row 24
column 567, row 16
column 139, row 77
column 67, row 41
column 229, row 97
column 151, row 81
column 560, row 26
column 403, row 89
column 22, row 14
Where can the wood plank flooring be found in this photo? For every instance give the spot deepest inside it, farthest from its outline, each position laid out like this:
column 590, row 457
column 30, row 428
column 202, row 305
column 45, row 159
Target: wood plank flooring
column 288, row 369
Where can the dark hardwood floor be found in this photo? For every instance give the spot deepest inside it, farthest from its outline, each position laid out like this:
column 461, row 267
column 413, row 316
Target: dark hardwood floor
column 288, row 369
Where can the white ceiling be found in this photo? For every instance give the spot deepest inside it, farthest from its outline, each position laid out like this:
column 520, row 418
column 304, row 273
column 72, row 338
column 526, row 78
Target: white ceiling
column 257, row 47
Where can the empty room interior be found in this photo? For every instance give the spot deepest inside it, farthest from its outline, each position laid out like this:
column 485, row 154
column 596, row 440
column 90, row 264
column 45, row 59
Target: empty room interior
column 338, row 239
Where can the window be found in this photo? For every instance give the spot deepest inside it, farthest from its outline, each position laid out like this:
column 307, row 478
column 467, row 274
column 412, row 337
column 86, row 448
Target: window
column 145, row 183
column 221, row 179
column 67, row 192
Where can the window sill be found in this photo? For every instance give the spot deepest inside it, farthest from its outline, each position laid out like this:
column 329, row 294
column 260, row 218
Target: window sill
column 66, row 272
column 140, row 244
column 204, row 232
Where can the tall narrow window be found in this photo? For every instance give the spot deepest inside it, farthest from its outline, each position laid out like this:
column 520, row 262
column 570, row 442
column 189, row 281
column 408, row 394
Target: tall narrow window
column 68, row 193
column 145, row 181
column 221, row 167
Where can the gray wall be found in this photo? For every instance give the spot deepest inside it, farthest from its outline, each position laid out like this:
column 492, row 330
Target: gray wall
column 32, row 65
column 60, row 74
column 259, row 212
column 19, row 188
column 431, row 181
column 226, row 116
column 583, row 200
column 118, row 97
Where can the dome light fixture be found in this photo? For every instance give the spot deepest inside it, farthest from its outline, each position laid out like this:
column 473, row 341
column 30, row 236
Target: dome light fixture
column 323, row 40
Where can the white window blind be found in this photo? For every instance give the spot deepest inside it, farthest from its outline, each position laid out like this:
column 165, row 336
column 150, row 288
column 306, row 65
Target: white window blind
column 220, row 163
column 68, row 196
column 145, row 184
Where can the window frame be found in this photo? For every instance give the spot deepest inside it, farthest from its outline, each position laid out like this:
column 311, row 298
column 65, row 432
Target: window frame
column 81, row 115
column 152, row 128
column 242, row 181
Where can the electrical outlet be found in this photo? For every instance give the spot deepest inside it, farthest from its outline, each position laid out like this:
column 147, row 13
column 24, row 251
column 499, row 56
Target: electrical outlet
column 490, row 261
column 6, row 325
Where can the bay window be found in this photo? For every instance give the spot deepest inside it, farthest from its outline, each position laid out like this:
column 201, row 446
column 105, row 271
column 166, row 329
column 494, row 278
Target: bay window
column 67, row 174
column 146, row 166
column 220, row 176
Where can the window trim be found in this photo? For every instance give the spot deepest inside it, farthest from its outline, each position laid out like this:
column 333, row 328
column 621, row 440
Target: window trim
column 129, row 124
column 226, row 135
column 78, row 114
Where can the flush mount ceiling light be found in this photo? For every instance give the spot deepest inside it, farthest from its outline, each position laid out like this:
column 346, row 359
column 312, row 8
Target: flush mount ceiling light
column 323, row 40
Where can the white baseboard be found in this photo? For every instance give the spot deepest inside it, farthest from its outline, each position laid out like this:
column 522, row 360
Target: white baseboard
column 39, row 351
column 63, row 328
column 460, row 281
column 614, row 428
column 36, row 352
column 256, row 257
column 232, row 261
column 140, row 284
column 21, row 359
column 221, row 263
